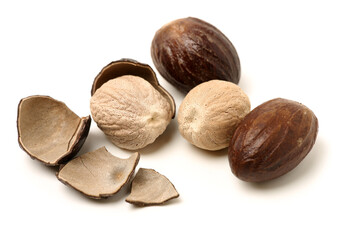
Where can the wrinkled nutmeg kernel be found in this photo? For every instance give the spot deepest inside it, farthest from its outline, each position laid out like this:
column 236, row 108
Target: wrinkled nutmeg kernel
column 49, row 131
column 210, row 112
column 126, row 66
column 130, row 111
column 190, row 51
column 272, row 140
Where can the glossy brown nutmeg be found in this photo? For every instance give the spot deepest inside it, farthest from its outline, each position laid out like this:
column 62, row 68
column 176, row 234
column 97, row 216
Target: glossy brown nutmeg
column 272, row 140
column 189, row 51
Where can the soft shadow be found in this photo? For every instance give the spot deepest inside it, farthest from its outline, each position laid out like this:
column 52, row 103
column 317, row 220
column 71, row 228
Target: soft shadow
column 245, row 84
column 168, row 203
column 117, row 197
column 307, row 168
column 211, row 155
column 163, row 140
column 219, row 154
column 40, row 166
column 43, row 167
column 95, row 138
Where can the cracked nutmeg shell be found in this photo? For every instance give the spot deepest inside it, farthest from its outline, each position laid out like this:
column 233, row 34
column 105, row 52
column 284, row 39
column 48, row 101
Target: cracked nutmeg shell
column 272, row 140
column 98, row 174
column 49, row 131
column 189, row 51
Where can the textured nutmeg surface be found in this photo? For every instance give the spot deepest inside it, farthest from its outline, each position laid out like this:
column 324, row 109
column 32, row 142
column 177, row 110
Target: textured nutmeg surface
column 210, row 112
column 190, row 51
column 272, row 140
column 130, row 111
column 126, row 66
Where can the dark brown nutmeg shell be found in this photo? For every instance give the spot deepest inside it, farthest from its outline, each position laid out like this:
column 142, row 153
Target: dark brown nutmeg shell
column 272, row 140
column 189, row 51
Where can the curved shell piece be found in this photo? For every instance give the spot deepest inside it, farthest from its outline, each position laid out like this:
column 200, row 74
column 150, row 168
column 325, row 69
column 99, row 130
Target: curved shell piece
column 127, row 66
column 98, row 174
column 151, row 188
column 49, row 131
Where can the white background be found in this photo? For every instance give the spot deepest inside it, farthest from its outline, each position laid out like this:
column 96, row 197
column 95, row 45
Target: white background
column 289, row 49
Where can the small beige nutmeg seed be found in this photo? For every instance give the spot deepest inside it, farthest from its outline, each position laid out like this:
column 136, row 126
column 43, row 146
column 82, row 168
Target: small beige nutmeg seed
column 210, row 113
column 130, row 111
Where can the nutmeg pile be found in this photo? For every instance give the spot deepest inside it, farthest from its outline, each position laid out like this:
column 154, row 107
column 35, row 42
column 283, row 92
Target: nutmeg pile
column 132, row 109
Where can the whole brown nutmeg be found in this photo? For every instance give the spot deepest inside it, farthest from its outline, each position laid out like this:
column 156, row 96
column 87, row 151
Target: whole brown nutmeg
column 189, row 51
column 272, row 140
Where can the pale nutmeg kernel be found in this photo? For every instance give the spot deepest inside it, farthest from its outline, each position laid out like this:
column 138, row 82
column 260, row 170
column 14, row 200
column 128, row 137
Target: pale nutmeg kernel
column 130, row 111
column 210, row 113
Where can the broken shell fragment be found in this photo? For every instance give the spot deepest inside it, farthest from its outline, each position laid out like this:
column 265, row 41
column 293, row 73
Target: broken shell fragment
column 49, row 131
column 98, row 174
column 151, row 188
